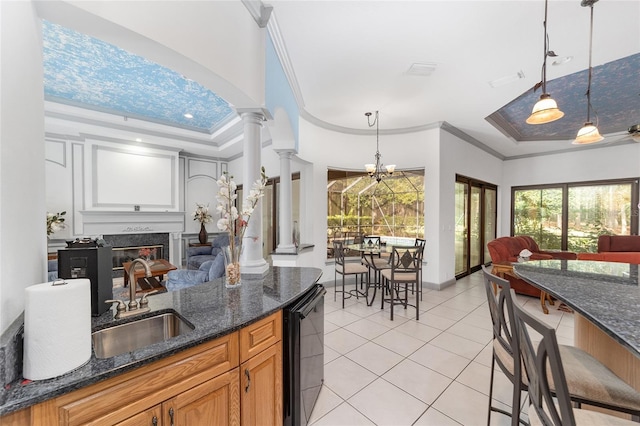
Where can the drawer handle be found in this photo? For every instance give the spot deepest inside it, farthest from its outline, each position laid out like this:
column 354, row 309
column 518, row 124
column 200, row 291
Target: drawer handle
column 248, row 375
column 171, row 415
column 154, row 421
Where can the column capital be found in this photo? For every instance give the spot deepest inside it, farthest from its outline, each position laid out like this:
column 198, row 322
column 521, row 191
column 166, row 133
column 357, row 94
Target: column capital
column 285, row 153
column 257, row 115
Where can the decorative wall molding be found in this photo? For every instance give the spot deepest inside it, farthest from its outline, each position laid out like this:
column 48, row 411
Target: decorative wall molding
column 97, row 222
column 56, row 151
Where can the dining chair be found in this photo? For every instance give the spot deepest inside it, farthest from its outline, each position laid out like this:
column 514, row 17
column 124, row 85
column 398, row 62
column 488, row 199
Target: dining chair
column 346, row 268
column 501, row 310
column 420, row 242
column 590, row 382
column 375, row 263
column 550, row 399
column 406, row 262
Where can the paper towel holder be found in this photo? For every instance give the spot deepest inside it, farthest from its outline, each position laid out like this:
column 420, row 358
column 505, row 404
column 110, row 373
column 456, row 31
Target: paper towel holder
column 58, row 281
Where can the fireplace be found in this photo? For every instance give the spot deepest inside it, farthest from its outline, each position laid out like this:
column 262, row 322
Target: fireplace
column 126, row 247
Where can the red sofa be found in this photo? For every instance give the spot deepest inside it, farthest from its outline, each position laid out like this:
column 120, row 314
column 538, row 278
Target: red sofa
column 616, row 248
column 507, row 249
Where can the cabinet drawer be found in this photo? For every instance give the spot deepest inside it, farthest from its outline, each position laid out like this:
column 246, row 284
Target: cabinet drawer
column 117, row 399
column 260, row 335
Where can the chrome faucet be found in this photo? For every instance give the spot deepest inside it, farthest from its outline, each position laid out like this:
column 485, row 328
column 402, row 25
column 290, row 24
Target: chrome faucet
column 133, row 303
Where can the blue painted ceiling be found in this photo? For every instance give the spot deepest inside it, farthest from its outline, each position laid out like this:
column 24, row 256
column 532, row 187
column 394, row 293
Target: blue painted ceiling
column 615, row 100
column 83, row 71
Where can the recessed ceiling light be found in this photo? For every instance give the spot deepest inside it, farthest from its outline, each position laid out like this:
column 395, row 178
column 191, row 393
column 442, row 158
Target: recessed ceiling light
column 424, row 69
column 187, row 115
column 562, row 60
column 138, row 140
column 506, row 79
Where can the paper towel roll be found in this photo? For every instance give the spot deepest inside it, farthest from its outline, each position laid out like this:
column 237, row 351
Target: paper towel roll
column 57, row 328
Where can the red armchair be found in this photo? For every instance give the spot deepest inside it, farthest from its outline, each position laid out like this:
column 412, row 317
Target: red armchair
column 507, row 249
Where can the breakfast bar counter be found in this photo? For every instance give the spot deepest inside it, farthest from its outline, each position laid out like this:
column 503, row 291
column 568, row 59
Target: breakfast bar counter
column 213, row 310
column 605, row 297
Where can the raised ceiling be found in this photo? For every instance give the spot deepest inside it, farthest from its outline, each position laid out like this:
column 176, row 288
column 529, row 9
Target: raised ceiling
column 83, row 71
column 349, row 57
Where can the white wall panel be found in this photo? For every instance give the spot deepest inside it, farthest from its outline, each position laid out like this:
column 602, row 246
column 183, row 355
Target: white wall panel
column 121, row 177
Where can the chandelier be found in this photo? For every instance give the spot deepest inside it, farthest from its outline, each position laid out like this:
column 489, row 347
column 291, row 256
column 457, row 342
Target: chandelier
column 375, row 170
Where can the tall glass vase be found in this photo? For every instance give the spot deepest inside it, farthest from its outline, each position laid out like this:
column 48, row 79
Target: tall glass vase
column 232, row 266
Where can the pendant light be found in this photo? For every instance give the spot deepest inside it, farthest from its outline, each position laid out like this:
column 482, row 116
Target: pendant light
column 589, row 132
column 546, row 109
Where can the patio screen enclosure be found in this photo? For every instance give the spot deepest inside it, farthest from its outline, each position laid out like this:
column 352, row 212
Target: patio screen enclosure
column 392, row 208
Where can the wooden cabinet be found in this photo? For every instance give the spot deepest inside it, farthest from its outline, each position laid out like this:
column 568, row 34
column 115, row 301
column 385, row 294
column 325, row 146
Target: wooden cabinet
column 150, row 417
column 261, row 372
column 233, row 380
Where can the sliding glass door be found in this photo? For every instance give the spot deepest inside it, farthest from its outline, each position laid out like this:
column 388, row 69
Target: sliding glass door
column 475, row 222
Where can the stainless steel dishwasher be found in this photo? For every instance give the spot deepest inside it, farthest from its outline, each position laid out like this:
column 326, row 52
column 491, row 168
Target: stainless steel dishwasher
column 303, row 355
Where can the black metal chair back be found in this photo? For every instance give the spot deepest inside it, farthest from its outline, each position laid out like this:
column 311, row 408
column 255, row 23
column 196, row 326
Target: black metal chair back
column 540, row 364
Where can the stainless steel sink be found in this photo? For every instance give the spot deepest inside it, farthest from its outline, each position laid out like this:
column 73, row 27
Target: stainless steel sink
column 137, row 334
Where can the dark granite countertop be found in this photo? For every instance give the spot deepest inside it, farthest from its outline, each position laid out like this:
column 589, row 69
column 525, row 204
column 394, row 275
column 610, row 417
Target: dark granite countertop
column 606, row 293
column 213, row 309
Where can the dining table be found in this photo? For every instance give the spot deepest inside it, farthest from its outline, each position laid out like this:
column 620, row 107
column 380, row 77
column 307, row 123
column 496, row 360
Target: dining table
column 605, row 298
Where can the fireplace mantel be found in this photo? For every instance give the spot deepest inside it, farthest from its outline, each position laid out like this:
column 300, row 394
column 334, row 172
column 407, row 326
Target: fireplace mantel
column 96, row 222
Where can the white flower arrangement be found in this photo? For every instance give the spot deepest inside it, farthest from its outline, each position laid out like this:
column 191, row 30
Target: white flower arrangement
column 231, row 221
column 235, row 223
column 202, row 214
column 55, row 222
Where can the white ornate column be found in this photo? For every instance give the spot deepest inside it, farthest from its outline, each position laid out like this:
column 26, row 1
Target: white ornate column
column 251, row 259
column 285, row 207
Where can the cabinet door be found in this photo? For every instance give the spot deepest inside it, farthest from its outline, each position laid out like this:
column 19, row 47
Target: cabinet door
column 261, row 379
column 150, row 417
column 214, row 402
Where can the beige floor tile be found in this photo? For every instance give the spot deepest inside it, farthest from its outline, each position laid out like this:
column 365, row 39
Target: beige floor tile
column 330, row 354
column 471, row 332
column 327, row 401
column 399, row 342
column 343, row 415
column 345, row 377
column 374, row 358
column 367, row 328
column 418, row 330
column 440, row 360
column 434, row 417
column 472, row 412
column 386, row 404
column 341, row 317
column 450, row 313
column 343, row 341
column 458, row 345
column 435, row 321
column 421, row 382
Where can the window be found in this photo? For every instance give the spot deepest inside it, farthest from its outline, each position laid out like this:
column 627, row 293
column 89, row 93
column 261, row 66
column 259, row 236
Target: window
column 572, row 216
column 392, row 208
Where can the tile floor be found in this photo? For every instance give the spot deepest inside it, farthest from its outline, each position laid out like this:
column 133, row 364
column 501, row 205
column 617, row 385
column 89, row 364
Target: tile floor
column 434, row 371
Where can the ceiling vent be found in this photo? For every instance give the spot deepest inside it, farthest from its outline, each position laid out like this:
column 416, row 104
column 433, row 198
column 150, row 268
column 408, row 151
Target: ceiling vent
column 424, row 69
column 507, row 79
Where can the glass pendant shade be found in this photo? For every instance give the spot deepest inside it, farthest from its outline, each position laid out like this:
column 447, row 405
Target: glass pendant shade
column 545, row 111
column 391, row 168
column 587, row 134
column 370, row 168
